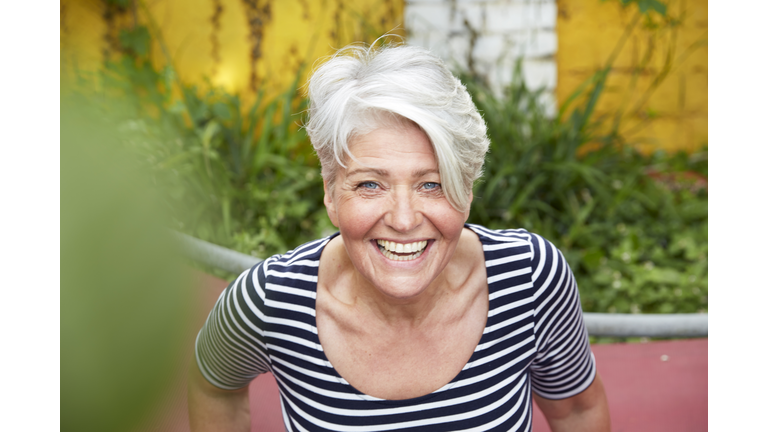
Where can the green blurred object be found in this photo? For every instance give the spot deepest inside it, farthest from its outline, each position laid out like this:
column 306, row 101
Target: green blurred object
column 124, row 305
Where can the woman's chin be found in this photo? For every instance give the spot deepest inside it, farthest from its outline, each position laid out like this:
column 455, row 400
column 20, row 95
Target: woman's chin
column 404, row 279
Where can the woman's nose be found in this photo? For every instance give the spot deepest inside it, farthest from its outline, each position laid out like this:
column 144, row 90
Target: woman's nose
column 403, row 216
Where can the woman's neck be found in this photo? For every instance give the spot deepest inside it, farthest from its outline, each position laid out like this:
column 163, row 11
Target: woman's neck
column 439, row 302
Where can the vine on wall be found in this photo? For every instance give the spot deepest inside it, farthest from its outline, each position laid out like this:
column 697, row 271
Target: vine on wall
column 259, row 14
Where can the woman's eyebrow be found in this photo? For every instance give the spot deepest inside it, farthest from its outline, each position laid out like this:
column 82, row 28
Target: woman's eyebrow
column 384, row 173
column 377, row 171
column 423, row 172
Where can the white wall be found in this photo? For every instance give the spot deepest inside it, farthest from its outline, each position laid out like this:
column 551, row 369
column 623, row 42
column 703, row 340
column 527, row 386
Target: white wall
column 503, row 31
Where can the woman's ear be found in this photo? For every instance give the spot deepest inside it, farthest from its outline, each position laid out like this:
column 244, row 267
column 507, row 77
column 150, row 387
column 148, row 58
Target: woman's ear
column 330, row 207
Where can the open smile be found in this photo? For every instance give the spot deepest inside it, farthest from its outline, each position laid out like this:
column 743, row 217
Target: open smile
column 401, row 251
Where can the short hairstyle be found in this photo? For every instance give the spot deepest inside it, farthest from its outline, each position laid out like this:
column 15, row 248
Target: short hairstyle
column 361, row 89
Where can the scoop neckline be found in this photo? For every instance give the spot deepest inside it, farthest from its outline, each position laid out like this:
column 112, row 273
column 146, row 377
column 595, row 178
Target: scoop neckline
column 448, row 385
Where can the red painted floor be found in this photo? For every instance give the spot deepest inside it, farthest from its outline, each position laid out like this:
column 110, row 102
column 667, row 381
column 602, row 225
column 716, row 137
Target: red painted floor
column 655, row 386
column 647, row 393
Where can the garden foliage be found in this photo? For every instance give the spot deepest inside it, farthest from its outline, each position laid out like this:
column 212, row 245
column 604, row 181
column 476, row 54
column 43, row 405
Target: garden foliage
column 632, row 226
column 635, row 242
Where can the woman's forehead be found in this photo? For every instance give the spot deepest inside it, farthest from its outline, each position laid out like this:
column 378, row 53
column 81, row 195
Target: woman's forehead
column 391, row 149
column 365, row 171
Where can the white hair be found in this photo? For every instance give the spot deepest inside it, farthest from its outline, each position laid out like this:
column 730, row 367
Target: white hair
column 361, row 89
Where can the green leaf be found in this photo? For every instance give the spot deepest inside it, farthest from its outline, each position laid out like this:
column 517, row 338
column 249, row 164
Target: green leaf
column 656, row 5
column 221, row 111
column 211, row 128
column 659, row 7
column 136, row 40
column 664, row 276
column 592, row 258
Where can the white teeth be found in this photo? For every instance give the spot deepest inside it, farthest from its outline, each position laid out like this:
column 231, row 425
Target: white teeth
column 388, row 247
column 394, row 257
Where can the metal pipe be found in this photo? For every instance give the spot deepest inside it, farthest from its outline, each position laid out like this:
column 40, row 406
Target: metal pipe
column 598, row 324
column 648, row 325
column 215, row 255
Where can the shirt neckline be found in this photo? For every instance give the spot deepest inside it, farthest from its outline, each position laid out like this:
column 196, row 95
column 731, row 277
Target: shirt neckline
column 418, row 399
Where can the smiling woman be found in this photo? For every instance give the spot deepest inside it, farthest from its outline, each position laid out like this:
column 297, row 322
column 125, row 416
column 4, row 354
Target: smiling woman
column 390, row 195
column 407, row 318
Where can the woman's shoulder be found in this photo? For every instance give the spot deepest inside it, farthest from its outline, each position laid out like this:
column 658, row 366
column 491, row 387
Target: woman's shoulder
column 289, row 277
column 507, row 235
column 512, row 240
column 299, row 263
column 309, row 251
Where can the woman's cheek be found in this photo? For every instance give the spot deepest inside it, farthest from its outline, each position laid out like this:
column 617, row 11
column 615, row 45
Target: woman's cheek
column 356, row 211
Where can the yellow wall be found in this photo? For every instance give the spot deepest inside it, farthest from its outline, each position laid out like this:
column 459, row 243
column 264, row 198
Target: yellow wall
column 242, row 45
column 239, row 45
column 675, row 115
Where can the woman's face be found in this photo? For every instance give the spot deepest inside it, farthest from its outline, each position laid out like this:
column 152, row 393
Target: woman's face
column 396, row 223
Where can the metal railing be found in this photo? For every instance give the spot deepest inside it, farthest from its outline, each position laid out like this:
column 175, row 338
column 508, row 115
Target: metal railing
column 598, row 324
column 648, row 325
column 215, row 255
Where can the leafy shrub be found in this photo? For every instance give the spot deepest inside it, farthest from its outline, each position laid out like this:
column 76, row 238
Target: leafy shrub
column 250, row 182
column 634, row 242
column 633, row 231
column 246, row 179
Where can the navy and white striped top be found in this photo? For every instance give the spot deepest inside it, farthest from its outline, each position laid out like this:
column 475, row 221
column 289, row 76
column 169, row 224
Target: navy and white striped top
column 534, row 339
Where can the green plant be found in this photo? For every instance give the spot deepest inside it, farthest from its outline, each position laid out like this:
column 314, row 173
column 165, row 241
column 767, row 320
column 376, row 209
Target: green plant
column 636, row 241
column 245, row 177
column 242, row 178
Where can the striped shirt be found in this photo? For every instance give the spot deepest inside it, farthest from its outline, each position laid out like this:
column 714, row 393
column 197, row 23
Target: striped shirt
column 534, row 339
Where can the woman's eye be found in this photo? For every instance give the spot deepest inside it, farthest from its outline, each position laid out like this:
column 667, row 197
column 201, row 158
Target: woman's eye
column 431, row 185
column 368, row 185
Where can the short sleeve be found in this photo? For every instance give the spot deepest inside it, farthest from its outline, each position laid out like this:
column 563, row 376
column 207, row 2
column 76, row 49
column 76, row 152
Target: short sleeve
column 564, row 365
column 230, row 348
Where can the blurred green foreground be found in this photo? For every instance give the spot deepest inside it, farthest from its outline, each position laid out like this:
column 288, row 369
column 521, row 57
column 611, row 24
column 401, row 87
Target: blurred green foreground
column 124, row 306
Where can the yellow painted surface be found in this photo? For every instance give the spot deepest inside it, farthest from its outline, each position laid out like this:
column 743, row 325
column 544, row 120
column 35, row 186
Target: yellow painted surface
column 673, row 116
column 81, row 32
column 239, row 45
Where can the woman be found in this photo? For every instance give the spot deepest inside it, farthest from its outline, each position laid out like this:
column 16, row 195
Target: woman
column 408, row 318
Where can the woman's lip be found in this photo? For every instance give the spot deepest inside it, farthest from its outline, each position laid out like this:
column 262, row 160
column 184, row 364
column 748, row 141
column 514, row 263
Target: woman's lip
column 402, row 241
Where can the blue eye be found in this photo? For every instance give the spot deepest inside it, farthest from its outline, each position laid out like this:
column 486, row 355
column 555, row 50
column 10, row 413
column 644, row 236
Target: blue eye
column 368, row 185
column 431, row 185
